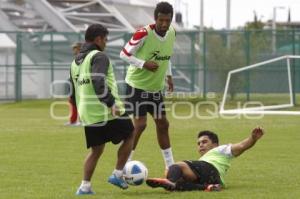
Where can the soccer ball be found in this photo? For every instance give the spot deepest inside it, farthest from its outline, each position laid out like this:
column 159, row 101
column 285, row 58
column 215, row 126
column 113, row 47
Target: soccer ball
column 135, row 172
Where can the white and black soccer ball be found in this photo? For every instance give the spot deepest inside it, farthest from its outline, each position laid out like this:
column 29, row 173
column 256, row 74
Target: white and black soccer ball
column 135, row 172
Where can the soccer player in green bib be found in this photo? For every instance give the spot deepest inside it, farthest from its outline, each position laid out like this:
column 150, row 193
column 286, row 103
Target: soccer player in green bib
column 100, row 109
column 209, row 171
column 148, row 52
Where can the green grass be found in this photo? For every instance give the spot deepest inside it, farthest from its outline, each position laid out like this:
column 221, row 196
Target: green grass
column 41, row 158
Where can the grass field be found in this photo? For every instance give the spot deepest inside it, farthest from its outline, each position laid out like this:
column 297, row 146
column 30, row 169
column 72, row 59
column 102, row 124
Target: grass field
column 41, row 158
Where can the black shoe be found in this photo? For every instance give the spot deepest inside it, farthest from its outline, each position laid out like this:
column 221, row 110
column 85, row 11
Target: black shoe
column 161, row 182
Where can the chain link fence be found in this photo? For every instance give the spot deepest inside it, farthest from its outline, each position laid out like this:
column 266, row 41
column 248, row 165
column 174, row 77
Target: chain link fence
column 36, row 65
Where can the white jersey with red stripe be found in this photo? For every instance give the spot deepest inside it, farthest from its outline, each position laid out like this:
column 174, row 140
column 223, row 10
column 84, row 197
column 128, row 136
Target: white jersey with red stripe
column 136, row 42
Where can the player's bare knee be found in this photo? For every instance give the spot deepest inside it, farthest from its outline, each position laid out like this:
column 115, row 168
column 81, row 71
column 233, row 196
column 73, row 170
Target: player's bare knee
column 174, row 173
column 182, row 165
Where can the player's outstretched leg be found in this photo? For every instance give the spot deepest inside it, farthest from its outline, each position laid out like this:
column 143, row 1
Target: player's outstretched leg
column 161, row 182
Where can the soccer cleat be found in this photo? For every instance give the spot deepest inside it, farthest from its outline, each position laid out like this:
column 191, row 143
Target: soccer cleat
column 161, row 182
column 213, row 187
column 80, row 191
column 119, row 182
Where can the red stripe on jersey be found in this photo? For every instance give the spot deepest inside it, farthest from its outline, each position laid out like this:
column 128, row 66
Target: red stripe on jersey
column 126, row 53
column 137, row 36
column 133, row 44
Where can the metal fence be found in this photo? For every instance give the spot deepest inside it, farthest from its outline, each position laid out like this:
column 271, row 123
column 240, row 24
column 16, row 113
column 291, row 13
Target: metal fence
column 36, row 65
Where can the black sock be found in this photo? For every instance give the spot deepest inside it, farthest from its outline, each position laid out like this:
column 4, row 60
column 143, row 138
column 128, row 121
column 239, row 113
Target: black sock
column 189, row 186
column 174, row 173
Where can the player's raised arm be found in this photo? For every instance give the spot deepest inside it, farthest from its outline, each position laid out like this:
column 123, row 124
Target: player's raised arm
column 238, row 148
column 132, row 46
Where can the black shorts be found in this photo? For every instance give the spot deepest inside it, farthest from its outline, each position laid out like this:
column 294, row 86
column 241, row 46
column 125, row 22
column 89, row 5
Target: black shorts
column 206, row 173
column 140, row 102
column 110, row 131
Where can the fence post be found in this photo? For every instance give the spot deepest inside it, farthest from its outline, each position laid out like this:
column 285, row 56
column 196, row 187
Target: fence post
column 248, row 63
column 294, row 67
column 79, row 36
column 51, row 57
column 18, row 68
column 204, row 65
column 192, row 71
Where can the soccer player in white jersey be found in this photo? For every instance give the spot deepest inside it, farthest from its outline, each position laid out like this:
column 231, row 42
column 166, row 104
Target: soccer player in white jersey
column 148, row 52
column 208, row 172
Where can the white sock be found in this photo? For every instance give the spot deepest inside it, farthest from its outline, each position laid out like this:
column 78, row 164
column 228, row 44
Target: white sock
column 85, row 185
column 130, row 156
column 118, row 173
column 168, row 157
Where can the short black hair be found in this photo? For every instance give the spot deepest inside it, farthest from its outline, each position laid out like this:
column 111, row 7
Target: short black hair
column 94, row 31
column 164, row 8
column 211, row 135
